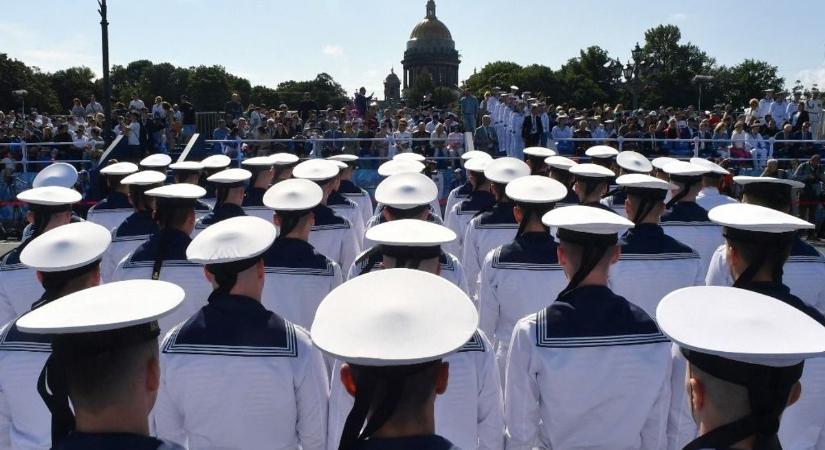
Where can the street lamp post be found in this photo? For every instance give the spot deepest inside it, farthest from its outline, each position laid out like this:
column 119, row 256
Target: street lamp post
column 22, row 94
column 701, row 80
column 107, row 84
column 634, row 72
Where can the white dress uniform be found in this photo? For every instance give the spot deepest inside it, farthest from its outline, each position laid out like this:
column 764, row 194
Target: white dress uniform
column 451, row 269
column 459, row 217
column 688, row 223
column 710, row 197
column 135, row 230
column 230, row 179
column 253, row 204
column 470, row 414
column 349, row 210
column 333, row 236
column 361, row 197
column 457, row 196
column 779, row 112
column 235, row 356
column 111, row 211
column 764, row 109
column 814, row 108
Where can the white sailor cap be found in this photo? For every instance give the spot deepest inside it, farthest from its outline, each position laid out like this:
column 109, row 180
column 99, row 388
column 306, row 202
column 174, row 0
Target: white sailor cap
column 119, row 169
column 601, row 152
column 56, row 174
column 643, row 181
column 747, row 217
column 257, row 163
column 685, row 169
column 344, row 157
column 156, row 160
column 231, row 240
column 396, row 166
column 216, row 162
column 183, row 191
column 748, row 180
column 316, row 170
column 410, row 233
column 710, row 165
column 477, row 164
column 50, row 196
column 739, row 325
column 66, row 247
column 590, row 170
column 633, row 162
column 295, row 194
column 108, row 307
column 409, row 156
column 410, row 317
column 560, row 162
column 406, row 191
column 662, row 161
column 284, row 159
column 586, row 219
column 506, row 169
column 340, row 164
column 539, row 152
column 466, row 156
column 535, row 189
column 230, row 176
column 187, row 166
column 144, row 178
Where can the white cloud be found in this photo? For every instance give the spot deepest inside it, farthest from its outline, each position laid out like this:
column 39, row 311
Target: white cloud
column 333, row 51
column 73, row 49
column 677, row 17
column 810, row 76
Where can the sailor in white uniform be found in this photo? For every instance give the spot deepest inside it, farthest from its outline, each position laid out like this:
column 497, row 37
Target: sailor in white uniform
column 190, row 172
column 686, row 221
column 592, row 183
column 67, row 259
column 102, row 378
column 113, row 210
column 590, row 358
column 235, row 356
column 404, row 196
column 710, row 197
column 156, row 161
column 765, row 106
column 283, row 163
column 535, row 156
column 55, row 174
column 603, row 155
column 651, row 263
column 49, row 208
column 297, row 276
column 740, row 377
column 390, row 325
column 163, row 255
column 332, row 235
column 349, row 189
column 230, row 189
column 462, row 192
column 138, row 226
column 261, row 168
column 560, row 171
column 805, row 262
column 212, row 165
column 523, row 276
column 628, row 162
column 396, row 166
column 495, row 227
column 479, row 200
column 344, row 207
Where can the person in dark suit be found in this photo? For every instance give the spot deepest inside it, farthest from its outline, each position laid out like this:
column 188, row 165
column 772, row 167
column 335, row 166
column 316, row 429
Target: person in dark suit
column 799, row 117
column 532, row 128
column 485, row 138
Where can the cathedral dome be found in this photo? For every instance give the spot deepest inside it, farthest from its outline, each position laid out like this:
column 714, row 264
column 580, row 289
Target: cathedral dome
column 431, row 32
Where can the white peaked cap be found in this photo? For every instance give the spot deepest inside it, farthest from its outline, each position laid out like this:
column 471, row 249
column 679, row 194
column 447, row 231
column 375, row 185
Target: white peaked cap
column 475, row 154
column 535, row 189
column 66, row 247
column 181, row 191
column 746, row 180
column 409, row 317
column 156, row 160
column 739, row 325
column 590, row 170
column 640, row 180
column 56, row 174
column 662, row 161
column 216, row 162
column 409, row 156
column 505, row 170
column 231, row 240
column 316, row 170
column 539, row 152
column 633, row 162
column 230, row 176
column 744, row 216
column 586, row 219
column 601, row 151
column 144, row 178
column 295, row 194
column 396, row 166
column 187, row 165
column 406, row 191
column 560, row 162
column 121, row 168
column 410, row 233
column 50, row 196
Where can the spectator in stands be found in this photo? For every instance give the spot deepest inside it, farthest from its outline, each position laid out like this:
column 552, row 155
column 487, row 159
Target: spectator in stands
column 306, row 106
column 361, row 102
column 136, row 105
column 810, row 172
column 187, row 110
column 233, row 108
column 799, row 117
column 582, row 132
column 132, row 133
column 783, row 149
column 93, row 107
column 485, row 138
column 421, row 139
column 738, row 138
column 77, row 109
column 759, row 150
column 806, row 149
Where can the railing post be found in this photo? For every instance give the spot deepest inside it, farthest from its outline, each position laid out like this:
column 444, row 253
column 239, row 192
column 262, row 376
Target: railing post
column 696, row 146
column 620, row 140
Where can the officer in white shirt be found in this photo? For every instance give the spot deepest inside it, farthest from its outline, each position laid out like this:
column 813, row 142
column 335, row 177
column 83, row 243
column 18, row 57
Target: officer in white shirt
column 765, row 105
column 262, row 171
column 102, row 378
column 212, row 165
column 463, row 192
column 163, row 255
column 710, row 197
column 814, row 107
column 138, row 226
column 592, row 183
column 156, row 161
column 593, row 339
column 779, row 109
column 627, row 162
column 66, row 259
column 113, row 210
column 479, row 200
column 190, row 172
column 349, row 189
column 406, row 305
column 332, row 235
column 523, row 276
column 230, row 188
column 297, row 276
column 49, row 207
column 235, row 356
column 740, row 377
column 495, row 227
column 535, row 156
column 805, row 262
column 651, row 263
column 560, row 171
column 686, row 221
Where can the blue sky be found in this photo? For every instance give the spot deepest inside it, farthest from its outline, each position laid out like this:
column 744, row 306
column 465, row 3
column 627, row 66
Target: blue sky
column 358, row 41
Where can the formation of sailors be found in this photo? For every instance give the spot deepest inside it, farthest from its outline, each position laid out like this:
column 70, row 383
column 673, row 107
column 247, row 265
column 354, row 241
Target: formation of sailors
column 613, row 304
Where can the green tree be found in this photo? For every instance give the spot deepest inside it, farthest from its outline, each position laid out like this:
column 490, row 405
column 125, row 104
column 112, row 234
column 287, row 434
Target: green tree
column 209, row 87
column 588, row 78
column 542, row 81
column 499, row 73
column 262, row 95
column 16, row 75
column 323, row 89
column 740, row 83
column 443, row 97
column 422, row 87
column 74, row 82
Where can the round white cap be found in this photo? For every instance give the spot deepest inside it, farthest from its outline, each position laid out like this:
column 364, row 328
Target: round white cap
column 685, row 169
column 230, row 176
column 396, row 166
column 179, row 190
column 601, row 151
column 662, row 161
column 295, row 194
column 633, row 162
column 505, row 170
column 66, row 247
column 410, row 233
column 744, row 216
column 560, row 162
column 591, row 170
column 230, row 240
column 50, row 196
column 539, row 152
column 144, row 178
column 586, row 219
column 121, row 168
column 745, row 180
column 406, row 191
column 316, row 170
column 475, row 154
column 640, row 180
column 216, row 162
column 257, row 162
column 477, row 164
column 344, row 157
column 710, row 165
column 283, row 159
column 535, row 189
column 409, row 156
column 156, row 160
column 56, row 174
column 187, row 165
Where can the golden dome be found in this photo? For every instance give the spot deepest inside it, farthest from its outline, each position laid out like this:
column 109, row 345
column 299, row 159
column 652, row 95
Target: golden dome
column 431, row 29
